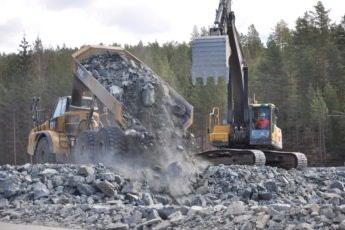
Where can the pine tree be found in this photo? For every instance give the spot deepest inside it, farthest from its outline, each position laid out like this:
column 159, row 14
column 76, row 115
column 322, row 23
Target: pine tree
column 24, row 54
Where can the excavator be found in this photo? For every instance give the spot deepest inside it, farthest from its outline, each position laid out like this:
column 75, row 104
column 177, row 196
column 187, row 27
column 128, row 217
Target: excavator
column 250, row 135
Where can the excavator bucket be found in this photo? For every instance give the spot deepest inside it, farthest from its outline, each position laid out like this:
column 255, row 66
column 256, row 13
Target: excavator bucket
column 210, row 56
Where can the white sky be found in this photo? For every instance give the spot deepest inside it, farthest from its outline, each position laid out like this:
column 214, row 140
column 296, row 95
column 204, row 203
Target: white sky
column 79, row 22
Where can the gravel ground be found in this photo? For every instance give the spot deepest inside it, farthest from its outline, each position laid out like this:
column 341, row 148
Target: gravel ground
column 221, row 197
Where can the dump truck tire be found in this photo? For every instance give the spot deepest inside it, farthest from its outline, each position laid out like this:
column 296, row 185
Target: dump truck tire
column 84, row 148
column 43, row 153
column 111, row 141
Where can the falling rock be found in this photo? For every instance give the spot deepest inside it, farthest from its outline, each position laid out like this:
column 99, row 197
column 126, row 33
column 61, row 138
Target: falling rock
column 148, row 95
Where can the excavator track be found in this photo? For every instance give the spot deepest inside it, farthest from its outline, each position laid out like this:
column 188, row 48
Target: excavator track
column 234, row 157
column 286, row 160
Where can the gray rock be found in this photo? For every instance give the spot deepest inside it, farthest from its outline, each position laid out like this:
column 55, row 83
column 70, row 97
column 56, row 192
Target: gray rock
column 262, row 221
column 109, row 176
column 131, row 187
column 163, row 199
column 86, row 189
column 337, row 184
column 152, row 214
column 271, row 186
column 85, row 170
column 131, row 197
column 3, row 203
column 40, row 190
column 175, row 217
column 9, row 186
column 49, row 172
column 165, row 212
column 100, row 209
column 147, row 198
column 198, row 201
column 280, row 207
column 305, row 226
column 57, row 180
column 148, row 95
column 236, row 208
column 149, row 223
column 74, row 181
column 342, row 225
column 265, row 196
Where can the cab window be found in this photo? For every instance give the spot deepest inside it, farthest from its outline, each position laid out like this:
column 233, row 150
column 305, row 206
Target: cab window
column 60, row 107
column 261, row 118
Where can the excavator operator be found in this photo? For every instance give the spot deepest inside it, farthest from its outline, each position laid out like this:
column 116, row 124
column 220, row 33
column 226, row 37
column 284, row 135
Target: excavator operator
column 262, row 122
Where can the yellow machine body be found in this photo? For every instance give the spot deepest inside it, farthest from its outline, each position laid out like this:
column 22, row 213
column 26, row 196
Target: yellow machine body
column 57, row 130
column 219, row 135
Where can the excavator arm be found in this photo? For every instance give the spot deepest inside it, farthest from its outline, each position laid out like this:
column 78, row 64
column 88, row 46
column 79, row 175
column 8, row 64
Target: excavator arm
column 224, row 29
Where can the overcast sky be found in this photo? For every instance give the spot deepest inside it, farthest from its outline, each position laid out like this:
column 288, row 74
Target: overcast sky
column 79, row 22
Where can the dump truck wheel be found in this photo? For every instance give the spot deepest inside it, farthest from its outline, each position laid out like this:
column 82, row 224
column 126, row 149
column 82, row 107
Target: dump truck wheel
column 84, row 148
column 42, row 152
column 111, row 141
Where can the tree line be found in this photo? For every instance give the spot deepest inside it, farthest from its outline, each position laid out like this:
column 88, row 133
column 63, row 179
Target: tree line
column 300, row 70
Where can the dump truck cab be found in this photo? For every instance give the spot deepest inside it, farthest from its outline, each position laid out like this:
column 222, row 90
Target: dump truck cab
column 65, row 123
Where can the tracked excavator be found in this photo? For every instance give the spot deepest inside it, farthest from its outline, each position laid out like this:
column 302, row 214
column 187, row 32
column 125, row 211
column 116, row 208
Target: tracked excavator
column 250, row 135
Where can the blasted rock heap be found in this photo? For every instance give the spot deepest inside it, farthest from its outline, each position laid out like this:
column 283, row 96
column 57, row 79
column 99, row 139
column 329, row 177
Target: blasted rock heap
column 223, row 197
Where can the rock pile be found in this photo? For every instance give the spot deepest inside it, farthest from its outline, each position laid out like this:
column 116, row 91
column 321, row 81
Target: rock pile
column 224, row 197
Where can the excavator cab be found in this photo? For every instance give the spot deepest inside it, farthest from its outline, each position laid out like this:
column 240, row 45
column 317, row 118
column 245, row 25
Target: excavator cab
column 263, row 126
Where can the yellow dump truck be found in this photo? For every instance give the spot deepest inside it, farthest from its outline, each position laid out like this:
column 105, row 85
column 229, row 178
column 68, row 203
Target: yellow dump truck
column 90, row 120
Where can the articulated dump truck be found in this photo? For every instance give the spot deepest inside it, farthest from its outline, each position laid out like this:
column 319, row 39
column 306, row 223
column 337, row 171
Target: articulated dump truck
column 93, row 119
